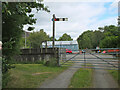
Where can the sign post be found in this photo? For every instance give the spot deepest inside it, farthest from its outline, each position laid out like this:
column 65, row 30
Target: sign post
column 56, row 19
column 53, row 30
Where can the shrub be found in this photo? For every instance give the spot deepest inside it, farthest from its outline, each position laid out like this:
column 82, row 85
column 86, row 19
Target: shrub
column 51, row 62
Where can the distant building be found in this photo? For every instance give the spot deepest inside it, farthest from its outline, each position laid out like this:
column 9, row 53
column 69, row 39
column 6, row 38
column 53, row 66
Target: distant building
column 73, row 45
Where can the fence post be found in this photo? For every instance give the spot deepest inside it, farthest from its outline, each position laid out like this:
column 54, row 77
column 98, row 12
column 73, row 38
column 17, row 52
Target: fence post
column 46, row 46
column 41, row 48
column 57, row 54
column 84, row 60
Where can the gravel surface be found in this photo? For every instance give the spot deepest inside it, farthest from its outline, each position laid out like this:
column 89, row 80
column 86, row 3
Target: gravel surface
column 62, row 80
column 101, row 78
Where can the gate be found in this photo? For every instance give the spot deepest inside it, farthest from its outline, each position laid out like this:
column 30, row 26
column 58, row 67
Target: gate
column 91, row 59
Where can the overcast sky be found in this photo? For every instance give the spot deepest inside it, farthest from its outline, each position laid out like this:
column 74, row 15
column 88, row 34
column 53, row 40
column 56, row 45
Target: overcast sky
column 82, row 16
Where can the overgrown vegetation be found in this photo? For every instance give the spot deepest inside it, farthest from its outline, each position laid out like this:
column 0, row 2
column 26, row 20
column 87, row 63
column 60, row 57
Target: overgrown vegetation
column 52, row 62
column 31, row 75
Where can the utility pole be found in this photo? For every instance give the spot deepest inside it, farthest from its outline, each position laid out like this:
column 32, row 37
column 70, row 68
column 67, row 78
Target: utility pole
column 25, row 39
column 53, row 30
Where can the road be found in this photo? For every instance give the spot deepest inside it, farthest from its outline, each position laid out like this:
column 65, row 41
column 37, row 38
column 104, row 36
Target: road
column 102, row 79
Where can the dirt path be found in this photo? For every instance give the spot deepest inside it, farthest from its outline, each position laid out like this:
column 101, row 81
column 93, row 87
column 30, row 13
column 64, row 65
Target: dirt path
column 62, row 80
column 102, row 79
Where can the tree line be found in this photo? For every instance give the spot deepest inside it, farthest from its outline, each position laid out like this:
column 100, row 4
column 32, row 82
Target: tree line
column 104, row 37
column 35, row 39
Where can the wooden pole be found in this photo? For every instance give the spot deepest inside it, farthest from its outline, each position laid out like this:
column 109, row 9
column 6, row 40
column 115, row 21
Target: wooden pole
column 53, row 30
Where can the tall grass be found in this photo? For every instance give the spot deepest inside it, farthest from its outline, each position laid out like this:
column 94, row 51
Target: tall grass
column 31, row 75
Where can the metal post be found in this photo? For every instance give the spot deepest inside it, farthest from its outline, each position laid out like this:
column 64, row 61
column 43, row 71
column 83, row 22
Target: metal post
column 25, row 39
column 84, row 61
column 46, row 46
column 53, row 30
column 1, row 46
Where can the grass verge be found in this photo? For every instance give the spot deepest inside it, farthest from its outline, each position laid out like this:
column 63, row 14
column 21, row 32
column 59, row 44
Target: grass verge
column 31, row 75
column 114, row 73
column 82, row 79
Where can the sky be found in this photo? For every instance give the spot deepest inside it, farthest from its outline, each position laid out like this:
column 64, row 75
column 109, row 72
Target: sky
column 82, row 16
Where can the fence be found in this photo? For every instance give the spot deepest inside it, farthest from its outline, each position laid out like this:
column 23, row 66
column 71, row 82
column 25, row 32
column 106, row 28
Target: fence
column 41, row 54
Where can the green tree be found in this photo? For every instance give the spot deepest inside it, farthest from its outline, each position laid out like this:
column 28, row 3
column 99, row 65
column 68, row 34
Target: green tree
column 14, row 16
column 104, row 37
column 109, row 42
column 22, row 43
column 119, row 31
column 111, row 37
column 85, row 40
column 36, row 38
column 51, row 39
column 65, row 37
column 97, row 37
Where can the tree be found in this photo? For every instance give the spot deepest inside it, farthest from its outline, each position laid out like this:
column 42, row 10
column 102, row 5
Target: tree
column 111, row 37
column 36, row 38
column 119, row 31
column 109, row 42
column 65, row 37
column 14, row 17
column 51, row 39
column 85, row 40
column 97, row 37
column 105, row 37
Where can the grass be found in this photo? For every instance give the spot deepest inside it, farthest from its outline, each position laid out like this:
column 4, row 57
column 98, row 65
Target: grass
column 82, row 79
column 114, row 73
column 31, row 75
column 68, row 63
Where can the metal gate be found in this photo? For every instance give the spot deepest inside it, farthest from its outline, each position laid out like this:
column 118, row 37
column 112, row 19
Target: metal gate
column 89, row 59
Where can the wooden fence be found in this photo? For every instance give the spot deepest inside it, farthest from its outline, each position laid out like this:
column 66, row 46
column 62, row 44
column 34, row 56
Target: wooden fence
column 41, row 54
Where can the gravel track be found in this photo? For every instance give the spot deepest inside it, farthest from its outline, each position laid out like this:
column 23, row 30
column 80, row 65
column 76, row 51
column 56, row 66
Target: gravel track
column 101, row 78
column 62, row 80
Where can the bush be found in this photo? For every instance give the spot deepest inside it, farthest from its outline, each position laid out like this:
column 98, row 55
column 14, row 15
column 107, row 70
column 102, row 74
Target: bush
column 52, row 62
column 5, row 79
